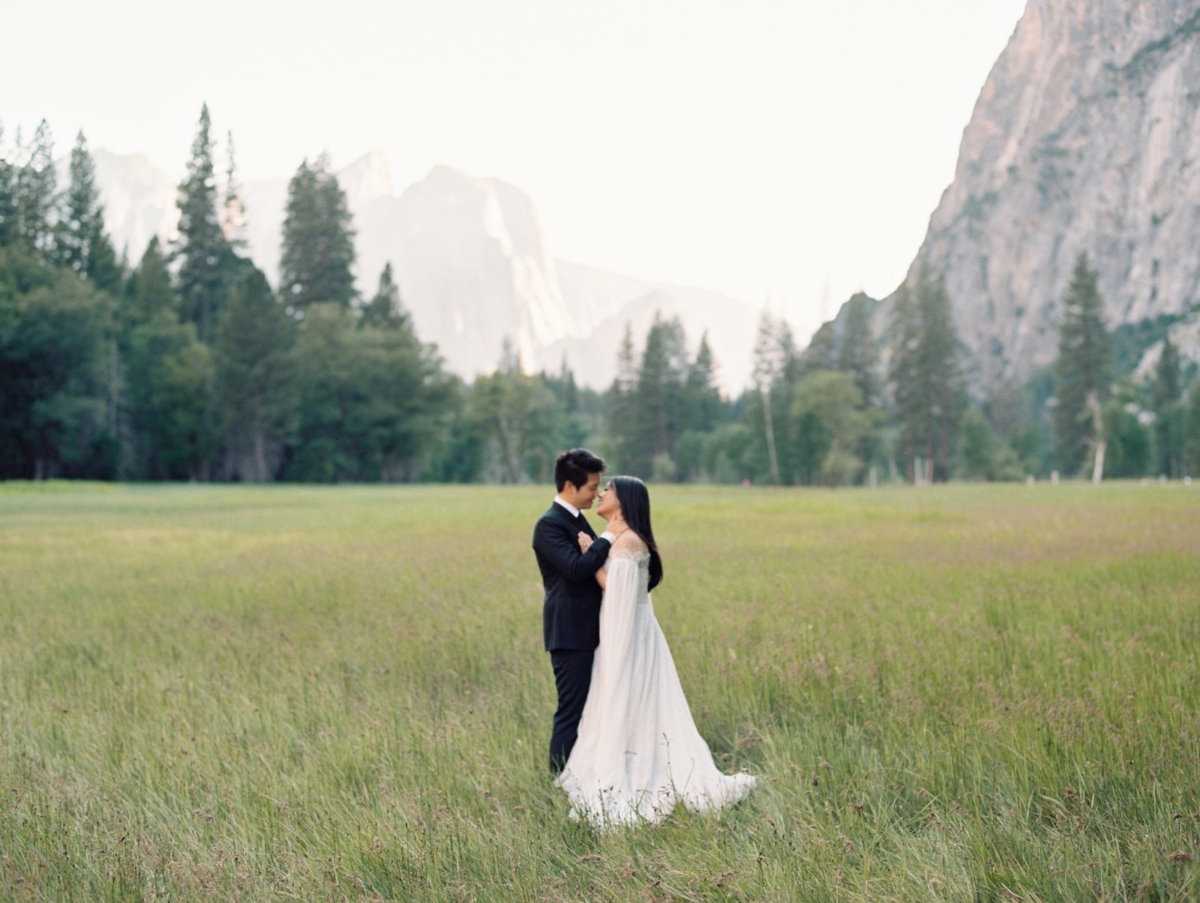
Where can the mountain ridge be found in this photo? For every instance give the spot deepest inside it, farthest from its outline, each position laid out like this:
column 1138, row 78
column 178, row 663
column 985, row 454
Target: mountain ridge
column 472, row 261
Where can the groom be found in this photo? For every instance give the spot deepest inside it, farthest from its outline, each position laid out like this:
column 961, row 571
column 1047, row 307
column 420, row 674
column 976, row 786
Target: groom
column 571, row 612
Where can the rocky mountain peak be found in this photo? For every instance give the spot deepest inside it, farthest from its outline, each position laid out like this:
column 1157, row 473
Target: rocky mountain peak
column 1085, row 138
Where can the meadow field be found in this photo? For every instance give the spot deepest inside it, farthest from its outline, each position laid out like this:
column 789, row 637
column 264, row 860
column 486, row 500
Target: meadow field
column 984, row 693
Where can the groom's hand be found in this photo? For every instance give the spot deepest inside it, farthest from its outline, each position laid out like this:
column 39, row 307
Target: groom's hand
column 585, row 542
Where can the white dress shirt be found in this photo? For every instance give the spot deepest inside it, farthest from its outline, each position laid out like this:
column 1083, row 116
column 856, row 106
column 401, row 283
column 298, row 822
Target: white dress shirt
column 575, row 513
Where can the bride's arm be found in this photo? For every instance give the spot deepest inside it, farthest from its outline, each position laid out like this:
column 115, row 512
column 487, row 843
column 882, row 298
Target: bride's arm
column 602, row 578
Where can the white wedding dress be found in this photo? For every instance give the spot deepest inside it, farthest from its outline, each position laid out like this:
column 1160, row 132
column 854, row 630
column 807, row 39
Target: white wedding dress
column 638, row 752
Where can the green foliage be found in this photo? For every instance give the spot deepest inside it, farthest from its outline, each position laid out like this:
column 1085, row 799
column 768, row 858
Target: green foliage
column 658, row 402
column 1082, row 372
column 383, row 311
column 255, row 391
column 206, row 261
column 370, row 399
column 829, row 410
column 170, row 376
column 1130, row 443
column 939, row 375
column 34, row 193
column 776, row 368
column 1169, row 411
column 457, row 453
column 1130, row 341
column 54, row 363
column 926, row 377
column 516, row 414
column 858, row 353
column 8, row 194
column 255, row 380
column 982, row 455
column 821, row 353
column 728, row 453
column 80, row 242
column 149, row 292
column 1191, row 432
column 903, row 375
column 327, row 393
column 702, row 404
column 317, row 261
column 406, row 398
column 662, row 405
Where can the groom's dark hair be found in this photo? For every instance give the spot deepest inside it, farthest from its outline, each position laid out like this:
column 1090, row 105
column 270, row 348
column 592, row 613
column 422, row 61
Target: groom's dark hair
column 574, row 466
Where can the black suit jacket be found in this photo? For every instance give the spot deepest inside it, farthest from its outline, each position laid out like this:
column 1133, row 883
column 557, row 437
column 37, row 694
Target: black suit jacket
column 571, row 612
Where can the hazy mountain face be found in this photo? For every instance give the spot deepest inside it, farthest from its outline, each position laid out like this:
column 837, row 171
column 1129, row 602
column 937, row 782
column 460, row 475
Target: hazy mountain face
column 1086, row 137
column 473, row 266
column 139, row 201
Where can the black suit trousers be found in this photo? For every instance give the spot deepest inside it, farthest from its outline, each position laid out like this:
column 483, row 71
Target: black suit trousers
column 573, row 677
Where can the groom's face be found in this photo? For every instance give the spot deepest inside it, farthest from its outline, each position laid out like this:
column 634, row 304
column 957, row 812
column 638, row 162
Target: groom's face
column 586, row 494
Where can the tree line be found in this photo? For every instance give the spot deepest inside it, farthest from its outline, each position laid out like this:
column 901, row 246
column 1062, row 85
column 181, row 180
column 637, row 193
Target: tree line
column 188, row 365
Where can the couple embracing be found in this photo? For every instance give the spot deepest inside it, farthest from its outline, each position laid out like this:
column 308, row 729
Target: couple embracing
column 624, row 745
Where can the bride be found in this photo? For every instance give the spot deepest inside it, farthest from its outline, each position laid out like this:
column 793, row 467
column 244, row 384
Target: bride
column 638, row 751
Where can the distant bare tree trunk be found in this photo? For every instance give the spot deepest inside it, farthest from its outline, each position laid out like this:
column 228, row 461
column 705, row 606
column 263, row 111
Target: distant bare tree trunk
column 1100, row 441
column 260, row 455
column 506, row 450
column 769, row 422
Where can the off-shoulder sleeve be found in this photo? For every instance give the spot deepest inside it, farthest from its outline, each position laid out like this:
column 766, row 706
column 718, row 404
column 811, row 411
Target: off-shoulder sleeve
column 629, row 546
column 620, row 601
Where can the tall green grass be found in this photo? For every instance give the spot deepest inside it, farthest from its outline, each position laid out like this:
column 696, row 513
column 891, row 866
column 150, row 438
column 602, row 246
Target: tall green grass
column 965, row 693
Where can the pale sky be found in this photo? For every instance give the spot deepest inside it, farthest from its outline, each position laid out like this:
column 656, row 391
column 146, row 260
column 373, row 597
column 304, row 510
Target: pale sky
column 790, row 151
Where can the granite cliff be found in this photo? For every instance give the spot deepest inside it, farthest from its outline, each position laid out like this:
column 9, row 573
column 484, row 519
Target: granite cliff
column 1085, row 138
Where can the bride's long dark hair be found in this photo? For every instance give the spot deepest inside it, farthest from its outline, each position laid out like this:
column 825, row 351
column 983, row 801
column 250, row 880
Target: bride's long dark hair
column 635, row 508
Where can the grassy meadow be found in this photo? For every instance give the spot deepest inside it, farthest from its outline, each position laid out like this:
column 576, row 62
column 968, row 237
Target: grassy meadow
column 960, row 693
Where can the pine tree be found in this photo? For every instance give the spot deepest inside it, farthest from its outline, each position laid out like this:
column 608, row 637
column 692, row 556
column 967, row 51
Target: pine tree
column 254, row 379
column 626, row 377
column 821, row 353
column 1191, row 432
column 1081, row 373
column 405, row 398
column 81, row 243
column 36, row 180
column 8, row 195
column 201, row 247
column 383, row 311
column 938, row 374
column 903, row 373
column 517, row 413
column 703, row 397
column 1167, row 375
column 104, row 269
column 80, row 206
column 858, row 354
column 150, row 292
column 620, row 407
column 233, row 222
column 317, row 260
column 655, row 420
column 1169, row 410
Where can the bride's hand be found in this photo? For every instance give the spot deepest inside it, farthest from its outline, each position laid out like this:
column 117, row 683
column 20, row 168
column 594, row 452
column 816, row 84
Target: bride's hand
column 585, row 542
